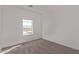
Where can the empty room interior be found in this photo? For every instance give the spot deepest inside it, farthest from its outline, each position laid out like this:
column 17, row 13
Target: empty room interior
column 39, row 29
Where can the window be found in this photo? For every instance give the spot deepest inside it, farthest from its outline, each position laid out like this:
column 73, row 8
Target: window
column 27, row 27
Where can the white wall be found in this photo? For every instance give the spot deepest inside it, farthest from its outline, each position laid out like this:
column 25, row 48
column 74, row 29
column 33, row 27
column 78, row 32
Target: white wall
column 62, row 26
column 12, row 25
column 0, row 26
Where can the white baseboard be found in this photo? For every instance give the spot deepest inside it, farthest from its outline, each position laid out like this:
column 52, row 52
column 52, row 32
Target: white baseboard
column 3, row 52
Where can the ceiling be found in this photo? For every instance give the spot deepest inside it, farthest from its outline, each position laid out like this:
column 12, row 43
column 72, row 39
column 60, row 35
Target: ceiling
column 39, row 8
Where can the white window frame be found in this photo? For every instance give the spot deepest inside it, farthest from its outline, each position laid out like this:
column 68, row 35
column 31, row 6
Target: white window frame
column 23, row 28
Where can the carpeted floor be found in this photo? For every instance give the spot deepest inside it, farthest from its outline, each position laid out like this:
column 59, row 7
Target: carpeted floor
column 42, row 46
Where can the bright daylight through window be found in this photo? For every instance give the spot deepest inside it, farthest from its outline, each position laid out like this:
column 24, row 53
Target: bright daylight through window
column 27, row 27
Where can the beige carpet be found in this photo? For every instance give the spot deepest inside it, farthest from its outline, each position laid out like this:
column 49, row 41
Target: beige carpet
column 42, row 46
